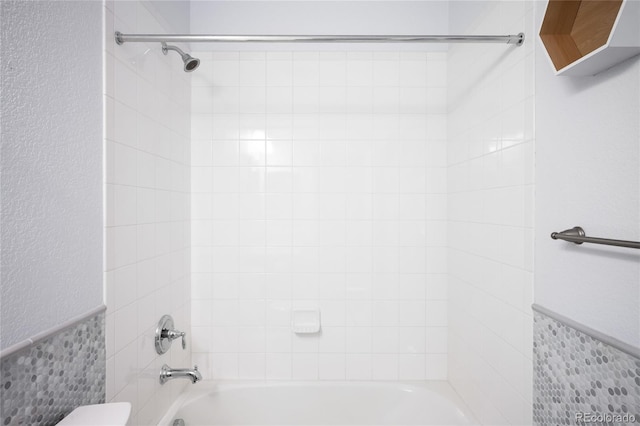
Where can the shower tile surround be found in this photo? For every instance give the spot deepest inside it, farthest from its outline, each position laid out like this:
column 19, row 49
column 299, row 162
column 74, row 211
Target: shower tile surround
column 490, row 204
column 319, row 181
column 147, row 101
column 45, row 381
column 576, row 373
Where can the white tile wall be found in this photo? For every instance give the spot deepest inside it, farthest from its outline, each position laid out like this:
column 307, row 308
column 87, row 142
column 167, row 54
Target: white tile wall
column 323, row 180
column 490, row 205
column 319, row 181
column 147, row 99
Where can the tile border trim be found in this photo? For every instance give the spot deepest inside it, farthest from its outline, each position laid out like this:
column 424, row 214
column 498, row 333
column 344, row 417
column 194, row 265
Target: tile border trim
column 52, row 331
column 595, row 334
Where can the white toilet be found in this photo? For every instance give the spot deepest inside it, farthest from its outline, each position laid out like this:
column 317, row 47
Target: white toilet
column 113, row 414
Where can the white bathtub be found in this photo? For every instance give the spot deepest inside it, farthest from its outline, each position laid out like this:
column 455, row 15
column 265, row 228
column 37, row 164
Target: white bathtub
column 319, row 403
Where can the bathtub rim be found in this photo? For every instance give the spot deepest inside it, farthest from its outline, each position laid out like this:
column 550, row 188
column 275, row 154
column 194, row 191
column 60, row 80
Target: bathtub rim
column 442, row 388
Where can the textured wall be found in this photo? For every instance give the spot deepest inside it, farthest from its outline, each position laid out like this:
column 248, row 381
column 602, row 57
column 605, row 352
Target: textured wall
column 588, row 164
column 147, row 186
column 51, row 165
column 490, row 211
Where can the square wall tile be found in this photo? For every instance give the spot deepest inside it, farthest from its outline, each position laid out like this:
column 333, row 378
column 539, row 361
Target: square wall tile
column 319, row 182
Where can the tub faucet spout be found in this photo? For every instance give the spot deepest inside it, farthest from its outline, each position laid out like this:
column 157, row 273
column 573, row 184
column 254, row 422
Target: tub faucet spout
column 167, row 373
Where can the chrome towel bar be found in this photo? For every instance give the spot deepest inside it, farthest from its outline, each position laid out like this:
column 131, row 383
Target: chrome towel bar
column 576, row 235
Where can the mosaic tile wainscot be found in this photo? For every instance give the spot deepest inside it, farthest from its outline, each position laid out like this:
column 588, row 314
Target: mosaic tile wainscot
column 580, row 380
column 44, row 381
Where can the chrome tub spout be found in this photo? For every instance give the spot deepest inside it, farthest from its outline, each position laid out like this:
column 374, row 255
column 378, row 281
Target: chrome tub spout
column 167, row 373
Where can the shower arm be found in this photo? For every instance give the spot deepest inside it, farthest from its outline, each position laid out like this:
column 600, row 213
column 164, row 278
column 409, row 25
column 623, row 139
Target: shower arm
column 166, row 48
column 517, row 39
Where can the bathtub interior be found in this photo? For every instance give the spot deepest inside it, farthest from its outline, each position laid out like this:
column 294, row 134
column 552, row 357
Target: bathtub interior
column 320, row 403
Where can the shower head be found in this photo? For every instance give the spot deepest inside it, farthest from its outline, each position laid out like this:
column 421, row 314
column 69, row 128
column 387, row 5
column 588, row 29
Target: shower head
column 190, row 63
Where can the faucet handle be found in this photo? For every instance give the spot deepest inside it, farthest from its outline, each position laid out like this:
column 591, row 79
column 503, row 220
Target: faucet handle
column 174, row 334
column 165, row 334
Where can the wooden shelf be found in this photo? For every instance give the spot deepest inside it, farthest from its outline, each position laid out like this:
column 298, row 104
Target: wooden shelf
column 584, row 37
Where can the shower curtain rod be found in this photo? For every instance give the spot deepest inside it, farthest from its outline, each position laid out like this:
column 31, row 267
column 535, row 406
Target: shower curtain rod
column 516, row 39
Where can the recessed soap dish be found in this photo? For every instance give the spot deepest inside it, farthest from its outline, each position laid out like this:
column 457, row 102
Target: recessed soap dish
column 305, row 321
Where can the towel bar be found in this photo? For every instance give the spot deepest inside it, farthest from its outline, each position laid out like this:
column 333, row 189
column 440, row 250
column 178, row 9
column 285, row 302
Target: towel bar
column 576, row 235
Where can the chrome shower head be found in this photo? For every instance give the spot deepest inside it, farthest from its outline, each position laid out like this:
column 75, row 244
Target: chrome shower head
column 190, row 63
